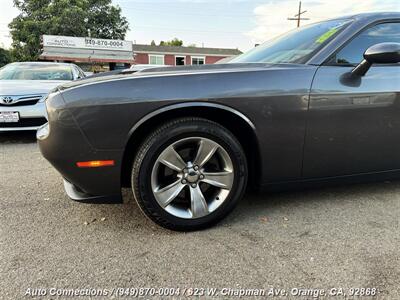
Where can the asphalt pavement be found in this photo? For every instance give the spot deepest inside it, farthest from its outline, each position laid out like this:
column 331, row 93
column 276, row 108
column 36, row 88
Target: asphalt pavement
column 344, row 237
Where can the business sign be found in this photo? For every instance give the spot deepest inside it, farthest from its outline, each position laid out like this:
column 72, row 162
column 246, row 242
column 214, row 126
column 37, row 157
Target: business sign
column 85, row 43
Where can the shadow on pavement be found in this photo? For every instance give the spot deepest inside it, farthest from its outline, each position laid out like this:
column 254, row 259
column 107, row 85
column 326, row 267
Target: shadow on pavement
column 319, row 194
column 257, row 204
column 18, row 137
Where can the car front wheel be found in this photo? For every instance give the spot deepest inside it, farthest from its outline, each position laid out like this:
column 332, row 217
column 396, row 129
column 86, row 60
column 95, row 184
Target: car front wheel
column 189, row 174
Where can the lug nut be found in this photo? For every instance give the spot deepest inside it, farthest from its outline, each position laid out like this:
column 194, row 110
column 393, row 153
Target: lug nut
column 196, row 168
column 184, row 181
column 201, row 176
column 194, row 185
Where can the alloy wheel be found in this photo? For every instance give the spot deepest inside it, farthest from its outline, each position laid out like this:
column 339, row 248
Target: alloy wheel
column 192, row 177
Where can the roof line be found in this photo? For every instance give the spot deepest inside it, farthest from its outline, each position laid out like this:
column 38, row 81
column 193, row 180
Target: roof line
column 183, row 53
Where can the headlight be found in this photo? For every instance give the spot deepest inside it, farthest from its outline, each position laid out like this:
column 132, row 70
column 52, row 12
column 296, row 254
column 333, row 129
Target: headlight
column 43, row 132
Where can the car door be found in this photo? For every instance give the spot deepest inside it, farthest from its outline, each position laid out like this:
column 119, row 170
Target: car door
column 354, row 123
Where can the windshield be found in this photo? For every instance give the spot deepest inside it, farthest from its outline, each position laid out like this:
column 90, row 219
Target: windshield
column 36, row 72
column 296, row 46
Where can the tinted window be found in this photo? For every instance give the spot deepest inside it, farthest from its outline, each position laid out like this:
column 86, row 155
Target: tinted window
column 36, row 72
column 197, row 60
column 381, row 33
column 296, row 46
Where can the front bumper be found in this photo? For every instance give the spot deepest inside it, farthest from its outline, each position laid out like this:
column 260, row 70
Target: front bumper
column 31, row 117
column 76, row 194
column 63, row 144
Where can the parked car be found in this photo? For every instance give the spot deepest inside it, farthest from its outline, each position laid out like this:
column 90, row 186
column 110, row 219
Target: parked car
column 319, row 104
column 23, row 88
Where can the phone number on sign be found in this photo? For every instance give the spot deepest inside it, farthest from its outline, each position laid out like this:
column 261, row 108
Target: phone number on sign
column 103, row 43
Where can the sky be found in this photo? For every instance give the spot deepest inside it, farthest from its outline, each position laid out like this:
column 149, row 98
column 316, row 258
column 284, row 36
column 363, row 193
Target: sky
column 218, row 23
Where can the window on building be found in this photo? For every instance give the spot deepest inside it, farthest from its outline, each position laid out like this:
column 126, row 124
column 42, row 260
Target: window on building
column 198, row 60
column 381, row 33
column 179, row 60
column 156, row 59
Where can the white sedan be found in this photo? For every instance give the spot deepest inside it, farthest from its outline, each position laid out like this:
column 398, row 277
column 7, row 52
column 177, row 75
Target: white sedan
column 23, row 89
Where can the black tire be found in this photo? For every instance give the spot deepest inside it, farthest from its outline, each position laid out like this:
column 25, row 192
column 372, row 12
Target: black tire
column 163, row 137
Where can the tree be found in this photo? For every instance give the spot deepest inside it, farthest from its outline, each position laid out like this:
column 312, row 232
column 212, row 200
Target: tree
column 153, row 43
column 5, row 57
column 63, row 17
column 174, row 42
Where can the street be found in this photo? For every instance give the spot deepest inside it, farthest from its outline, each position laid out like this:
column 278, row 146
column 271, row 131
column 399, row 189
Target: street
column 335, row 237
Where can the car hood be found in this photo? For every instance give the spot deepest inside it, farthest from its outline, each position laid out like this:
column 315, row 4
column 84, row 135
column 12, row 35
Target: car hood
column 24, row 87
column 181, row 70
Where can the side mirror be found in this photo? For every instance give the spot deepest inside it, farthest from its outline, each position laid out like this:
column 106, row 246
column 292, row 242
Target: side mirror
column 383, row 53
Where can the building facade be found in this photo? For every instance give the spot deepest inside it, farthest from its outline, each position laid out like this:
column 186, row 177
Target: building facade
column 179, row 56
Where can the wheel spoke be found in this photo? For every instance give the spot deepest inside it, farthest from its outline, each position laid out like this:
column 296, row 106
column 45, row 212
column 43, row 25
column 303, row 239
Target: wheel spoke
column 198, row 204
column 172, row 159
column 206, row 150
column 167, row 194
column 223, row 180
column 209, row 166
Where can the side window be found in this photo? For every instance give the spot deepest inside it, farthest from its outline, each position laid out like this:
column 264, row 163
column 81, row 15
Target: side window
column 353, row 52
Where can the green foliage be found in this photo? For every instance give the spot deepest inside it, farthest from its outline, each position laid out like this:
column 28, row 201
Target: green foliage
column 5, row 57
column 63, row 17
column 153, row 43
column 174, row 42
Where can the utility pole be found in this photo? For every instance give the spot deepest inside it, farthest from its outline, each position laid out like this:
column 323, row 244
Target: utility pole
column 298, row 17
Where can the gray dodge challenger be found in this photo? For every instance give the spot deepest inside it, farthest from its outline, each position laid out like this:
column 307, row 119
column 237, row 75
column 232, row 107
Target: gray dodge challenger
column 318, row 104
